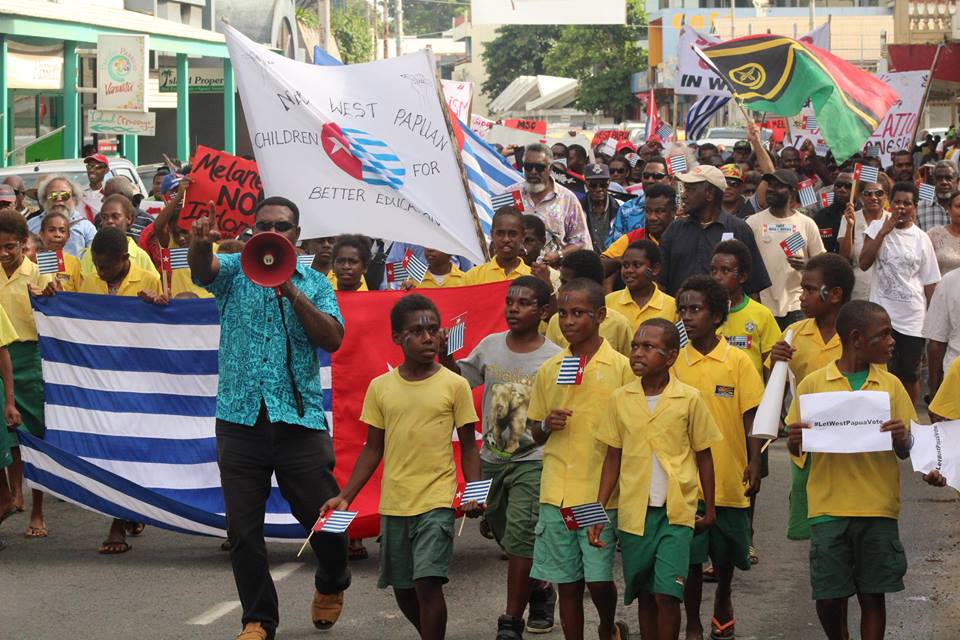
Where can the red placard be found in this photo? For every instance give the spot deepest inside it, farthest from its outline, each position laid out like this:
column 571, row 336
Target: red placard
column 533, row 126
column 601, row 136
column 230, row 182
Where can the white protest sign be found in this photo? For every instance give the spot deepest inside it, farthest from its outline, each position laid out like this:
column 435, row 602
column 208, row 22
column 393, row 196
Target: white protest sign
column 509, row 136
column 845, row 421
column 480, row 125
column 896, row 129
column 458, row 95
column 360, row 148
column 937, row 447
column 694, row 77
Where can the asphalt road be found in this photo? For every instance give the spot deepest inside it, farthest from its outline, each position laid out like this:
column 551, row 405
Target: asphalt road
column 172, row 586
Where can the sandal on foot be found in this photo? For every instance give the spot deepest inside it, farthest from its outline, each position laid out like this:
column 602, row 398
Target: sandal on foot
column 325, row 609
column 754, row 558
column 36, row 532
column 357, row 551
column 133, row 529
column 9, row 512
column 112, row 548
column 723, row 631
column 623, row 632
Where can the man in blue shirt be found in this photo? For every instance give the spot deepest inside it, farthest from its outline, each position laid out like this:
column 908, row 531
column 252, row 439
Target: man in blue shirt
column 270, row 415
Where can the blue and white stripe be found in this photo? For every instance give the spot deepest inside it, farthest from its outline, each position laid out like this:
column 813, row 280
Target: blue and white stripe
column 571, row 370
column 381, row 166
column 337, row 521
column 455, row 338
column 794, row 243
column 178, row 258
column 306, row 259
column 928, row 192
column 701, row 113
column 48, row 262
column 477, row 490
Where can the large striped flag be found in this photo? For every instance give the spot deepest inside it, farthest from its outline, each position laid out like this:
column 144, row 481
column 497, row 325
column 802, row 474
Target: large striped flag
column 701, row 113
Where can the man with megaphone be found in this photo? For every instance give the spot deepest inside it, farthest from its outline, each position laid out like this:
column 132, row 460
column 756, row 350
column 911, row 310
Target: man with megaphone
column 274, row 313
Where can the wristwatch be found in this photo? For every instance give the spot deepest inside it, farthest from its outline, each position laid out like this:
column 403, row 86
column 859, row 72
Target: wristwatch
column 543, row 426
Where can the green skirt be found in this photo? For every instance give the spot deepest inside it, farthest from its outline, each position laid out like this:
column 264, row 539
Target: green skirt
column 27, row 394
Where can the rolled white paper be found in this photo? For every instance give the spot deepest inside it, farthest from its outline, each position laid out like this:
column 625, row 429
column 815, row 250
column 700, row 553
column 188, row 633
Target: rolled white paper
column 766, row 424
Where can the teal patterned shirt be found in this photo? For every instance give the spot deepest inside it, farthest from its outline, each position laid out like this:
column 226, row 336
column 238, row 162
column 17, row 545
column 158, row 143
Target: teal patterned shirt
column 253, row 348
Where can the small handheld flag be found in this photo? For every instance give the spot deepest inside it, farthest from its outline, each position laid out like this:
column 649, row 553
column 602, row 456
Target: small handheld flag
column 477, row 490
column 172, row 259
column 665, row 132
column 810, row 123
column 928, row 192
column 396, row 272
column 863, row 173
column 571, row 370
column 808, row 197
column 455, row 338
column 416, row 268
column 508, row 199
column 50, row 262
column 677, row 164
column 826, row 199
column 793, row 244
column 683, row 333
column 609, row 147
column 584, row 515
column 633, row 159
column 330, row 522
column 306, row 259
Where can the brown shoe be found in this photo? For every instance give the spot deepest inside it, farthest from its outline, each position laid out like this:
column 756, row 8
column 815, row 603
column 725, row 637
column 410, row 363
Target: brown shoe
column 325, row 609
column 253, row 631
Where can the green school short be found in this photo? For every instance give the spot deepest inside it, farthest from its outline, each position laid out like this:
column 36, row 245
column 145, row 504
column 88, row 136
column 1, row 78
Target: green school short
column 564, row 556
column 797, row 526
column 856, row 555
column 657, row 561
column 513, row 505
column 415, row 547
column 727, row 541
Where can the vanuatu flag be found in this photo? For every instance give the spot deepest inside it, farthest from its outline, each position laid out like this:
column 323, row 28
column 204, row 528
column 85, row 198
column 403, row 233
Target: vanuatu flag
column 778, row 75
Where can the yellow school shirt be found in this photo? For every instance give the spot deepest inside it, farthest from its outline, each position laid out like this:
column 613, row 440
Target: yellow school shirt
column 136, row 280
column 751, row 328
column 947, row 401
column 619, row 246
column 730, row 386
column 418, row 419
column 456, row 278
column 660, row 305
column 332, row 277
column 615, row 329
column 492, row 272
column 15, row 298
column 70, row 278
column 181, row 281
column 572, row 458
column 855, row 484
column 138, row 257
column 8, row 334
column 679, row 426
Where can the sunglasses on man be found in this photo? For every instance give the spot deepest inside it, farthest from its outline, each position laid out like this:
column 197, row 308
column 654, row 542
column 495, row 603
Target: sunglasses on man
column 535, row 166
column 281, row 226
column 59, row 196
column 649, row 175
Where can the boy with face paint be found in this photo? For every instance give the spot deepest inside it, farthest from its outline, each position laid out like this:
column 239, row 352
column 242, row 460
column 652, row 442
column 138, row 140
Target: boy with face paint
column 564, row 418
column 506, row 364
column 658, row 438
column 642, row 299
column 506, row 231
column 410, row 412
column 731, row 388
column 854, row 531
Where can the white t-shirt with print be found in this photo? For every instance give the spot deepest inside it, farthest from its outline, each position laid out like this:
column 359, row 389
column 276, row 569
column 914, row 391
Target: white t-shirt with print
column 905, row 264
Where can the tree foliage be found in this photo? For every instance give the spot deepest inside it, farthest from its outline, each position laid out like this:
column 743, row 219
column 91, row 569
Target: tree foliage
column 430, row 18
column 352, row 32
column 517, row 50
column 602, row 58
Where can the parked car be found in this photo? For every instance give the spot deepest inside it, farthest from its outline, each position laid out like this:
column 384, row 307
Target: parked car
column 725, row 137
column 76, row 170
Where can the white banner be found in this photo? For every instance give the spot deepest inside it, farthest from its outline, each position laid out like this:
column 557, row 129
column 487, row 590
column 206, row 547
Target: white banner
column 695, row 78
column 459, row 95
column 937, row 447
column 361, row 148
column 122, row 69
column 480, row 125
column 846, row 421
column 122, row 122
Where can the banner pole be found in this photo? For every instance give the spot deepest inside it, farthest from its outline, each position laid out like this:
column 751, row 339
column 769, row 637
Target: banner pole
column 484, row 245
column 926, row 94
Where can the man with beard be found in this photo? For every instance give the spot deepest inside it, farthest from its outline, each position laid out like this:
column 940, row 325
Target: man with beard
column 771, row 227
column 687, row 245
column 60, row 194
column 828, row 218
column 934, row 214
column 902, row 169
column 556, row 205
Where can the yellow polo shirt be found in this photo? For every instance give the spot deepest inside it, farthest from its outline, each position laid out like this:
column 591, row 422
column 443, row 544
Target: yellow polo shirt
column 456, row 278
column 136, row 280
column 660, row 305
column 8, row 334
column 679, row 426
column 15, row 298
column 332, row 277
column 730, row 386
column 619, row 246
column 70, row 277
column 492, row 272
column 947, row 401
column 572, row 458
column 615, row 329
column 138, row 257
column 751, row 328
column 855, row 484
column 418, row 419
column 181, row 281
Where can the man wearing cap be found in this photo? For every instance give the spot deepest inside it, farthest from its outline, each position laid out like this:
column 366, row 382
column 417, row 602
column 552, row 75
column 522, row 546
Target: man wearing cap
column 733, row 201
column 771, row 228
column 97, row 168
column 687, row 245
column 600, row 207
column 8, row 199
column 741, row 152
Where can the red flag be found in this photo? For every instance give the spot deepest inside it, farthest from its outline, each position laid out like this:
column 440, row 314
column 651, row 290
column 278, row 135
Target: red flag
column 653, row 119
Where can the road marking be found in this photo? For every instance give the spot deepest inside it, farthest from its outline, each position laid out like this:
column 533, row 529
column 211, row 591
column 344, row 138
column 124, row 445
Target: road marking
column 221, row 609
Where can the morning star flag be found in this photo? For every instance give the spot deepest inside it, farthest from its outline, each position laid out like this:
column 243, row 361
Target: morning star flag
column 808, row 197
column 455, row 338
column 677, row 164
column 571, row 370
column 477, row 490
column 826, row 199
column 306, row 259
column 414, row 266
column 396, row 272
column 777, row 75
column 682, row 330
column 793, row 244
column 334, row 521
column 508, row 199
column 171, row 259
column 928, row 192
column 584, row 515
column 701, row 113
column 360, row 148
column 865, row 173
column 49, row 262
column 665, row 132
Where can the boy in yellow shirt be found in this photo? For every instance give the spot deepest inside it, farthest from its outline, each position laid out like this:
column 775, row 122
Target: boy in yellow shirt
column 410, row 413
column 54, row 233
column 732, row 389
column 441, row 272
column 658, row 438
column 565, row 417
column 506, row 232
column 642, row 298
column 118, row 212
column 825, row 286
column 854, row 498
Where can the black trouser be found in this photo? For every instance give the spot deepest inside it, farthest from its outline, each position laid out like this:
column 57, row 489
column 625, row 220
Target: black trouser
column 303, row 461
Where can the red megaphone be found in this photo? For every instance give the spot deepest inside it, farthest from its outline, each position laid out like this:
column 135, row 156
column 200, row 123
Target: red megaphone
column 268, row 259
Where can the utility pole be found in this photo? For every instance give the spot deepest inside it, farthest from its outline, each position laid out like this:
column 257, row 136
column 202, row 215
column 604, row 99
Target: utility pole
column 813, row 13
column 399, row 16
column 323, row 12
column 386, row 28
